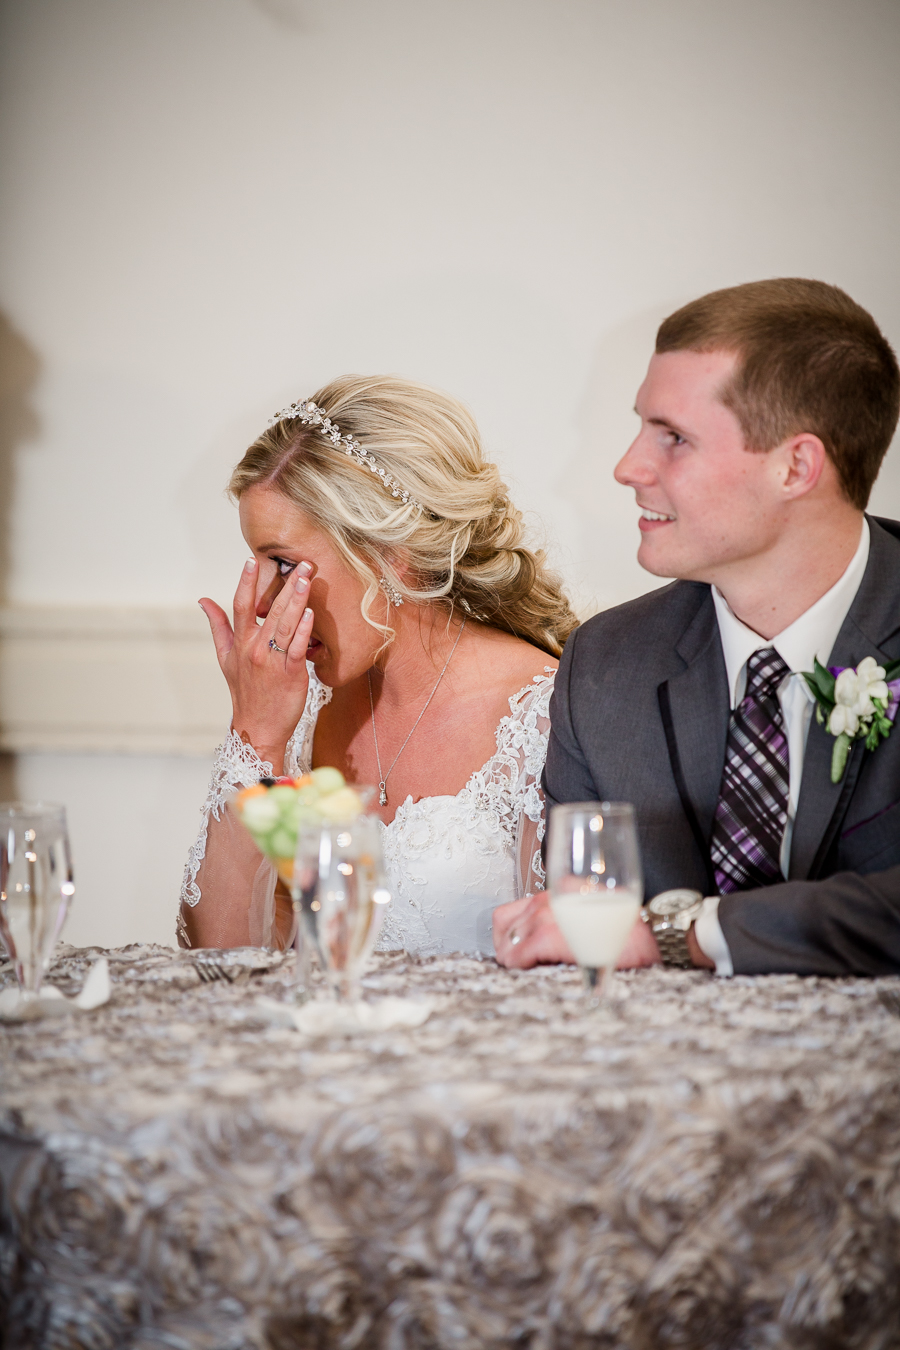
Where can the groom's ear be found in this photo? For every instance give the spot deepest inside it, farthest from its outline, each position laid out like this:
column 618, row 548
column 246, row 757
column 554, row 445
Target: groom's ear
column 801, row 463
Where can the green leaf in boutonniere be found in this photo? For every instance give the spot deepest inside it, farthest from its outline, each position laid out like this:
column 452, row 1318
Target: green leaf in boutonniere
column 821, row 682
column 821, row 685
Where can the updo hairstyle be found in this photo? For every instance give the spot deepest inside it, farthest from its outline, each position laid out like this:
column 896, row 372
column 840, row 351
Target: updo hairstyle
column 465, row 548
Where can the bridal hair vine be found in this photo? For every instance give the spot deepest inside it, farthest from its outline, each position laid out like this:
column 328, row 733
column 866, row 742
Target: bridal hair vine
column 855, row 705
column 314, row 416
column 391, row 592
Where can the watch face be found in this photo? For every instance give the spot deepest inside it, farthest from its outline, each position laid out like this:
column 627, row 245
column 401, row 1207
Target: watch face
column 668, row 903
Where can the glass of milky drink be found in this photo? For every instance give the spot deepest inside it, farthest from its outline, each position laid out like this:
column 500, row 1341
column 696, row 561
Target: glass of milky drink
column 595, row 883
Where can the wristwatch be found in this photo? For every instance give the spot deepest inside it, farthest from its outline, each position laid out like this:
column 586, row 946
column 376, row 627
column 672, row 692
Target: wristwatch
column 670, row 915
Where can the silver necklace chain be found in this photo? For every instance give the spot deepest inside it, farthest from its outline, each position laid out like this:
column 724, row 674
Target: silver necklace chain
column 383, row 777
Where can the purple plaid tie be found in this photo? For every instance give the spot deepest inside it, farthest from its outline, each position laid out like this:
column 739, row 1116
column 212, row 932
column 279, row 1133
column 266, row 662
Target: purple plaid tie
column 752, row 809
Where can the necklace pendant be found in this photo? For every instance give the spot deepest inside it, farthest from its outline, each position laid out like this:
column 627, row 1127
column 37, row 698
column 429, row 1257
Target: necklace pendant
column 382, row 795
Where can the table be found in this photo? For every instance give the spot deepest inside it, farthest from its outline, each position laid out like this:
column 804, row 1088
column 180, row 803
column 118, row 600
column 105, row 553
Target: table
column 713, row 1164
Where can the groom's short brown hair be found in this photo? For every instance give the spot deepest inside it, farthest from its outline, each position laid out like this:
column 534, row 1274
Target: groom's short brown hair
column 809, row 359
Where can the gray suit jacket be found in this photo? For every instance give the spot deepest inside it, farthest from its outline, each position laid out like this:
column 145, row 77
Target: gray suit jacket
column 640, row 714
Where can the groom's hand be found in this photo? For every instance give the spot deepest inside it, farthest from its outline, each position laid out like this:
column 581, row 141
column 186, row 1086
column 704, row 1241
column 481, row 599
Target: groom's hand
column 640, row 949
column 525, row 934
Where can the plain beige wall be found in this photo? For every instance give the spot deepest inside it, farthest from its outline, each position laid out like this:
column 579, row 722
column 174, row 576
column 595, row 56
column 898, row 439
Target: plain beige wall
column 210, row 207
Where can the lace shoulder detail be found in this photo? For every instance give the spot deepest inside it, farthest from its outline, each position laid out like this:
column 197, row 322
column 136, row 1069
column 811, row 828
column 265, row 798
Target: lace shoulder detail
column 237, row 765
column 299, row 750
column 508, row 785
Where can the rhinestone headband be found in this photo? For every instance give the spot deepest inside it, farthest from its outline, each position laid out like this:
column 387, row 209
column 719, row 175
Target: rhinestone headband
column 310, row 413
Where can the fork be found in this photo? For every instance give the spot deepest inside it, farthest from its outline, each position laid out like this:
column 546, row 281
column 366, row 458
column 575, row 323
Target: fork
column 209, row 969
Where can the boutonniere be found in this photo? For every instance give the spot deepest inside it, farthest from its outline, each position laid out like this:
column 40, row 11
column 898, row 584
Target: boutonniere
column 855, row 705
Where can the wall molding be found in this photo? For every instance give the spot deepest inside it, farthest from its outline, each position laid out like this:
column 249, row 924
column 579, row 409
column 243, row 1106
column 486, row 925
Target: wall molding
column 110, row 679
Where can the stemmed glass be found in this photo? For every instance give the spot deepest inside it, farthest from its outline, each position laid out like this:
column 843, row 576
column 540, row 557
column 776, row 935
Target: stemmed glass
column 36, row 886
column 340, row 894
column 595, row 884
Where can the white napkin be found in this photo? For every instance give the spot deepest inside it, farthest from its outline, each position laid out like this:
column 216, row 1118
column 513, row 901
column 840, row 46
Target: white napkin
column 16, row 1006
column 320, row 1017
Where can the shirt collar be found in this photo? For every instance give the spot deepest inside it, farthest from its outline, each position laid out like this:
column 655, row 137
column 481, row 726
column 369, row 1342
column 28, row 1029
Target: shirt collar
column 812, row 635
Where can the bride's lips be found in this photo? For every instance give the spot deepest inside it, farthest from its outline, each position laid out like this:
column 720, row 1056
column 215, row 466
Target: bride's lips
column 653, row 520
column 313, row 648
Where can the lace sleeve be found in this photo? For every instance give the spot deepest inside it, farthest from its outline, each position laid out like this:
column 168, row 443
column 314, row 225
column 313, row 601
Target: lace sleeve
column 510, row 784
column 237, row 765
column 530, row 817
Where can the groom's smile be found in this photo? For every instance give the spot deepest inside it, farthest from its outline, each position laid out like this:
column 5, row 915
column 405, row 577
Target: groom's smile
column 650, row 519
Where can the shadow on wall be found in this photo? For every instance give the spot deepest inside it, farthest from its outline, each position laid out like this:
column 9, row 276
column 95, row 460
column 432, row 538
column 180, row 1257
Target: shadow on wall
column 19, row 370
column 607, row 425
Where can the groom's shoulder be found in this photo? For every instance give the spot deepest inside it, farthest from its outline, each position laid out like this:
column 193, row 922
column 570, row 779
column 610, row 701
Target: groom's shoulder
column 652, row 621
column 885, row 535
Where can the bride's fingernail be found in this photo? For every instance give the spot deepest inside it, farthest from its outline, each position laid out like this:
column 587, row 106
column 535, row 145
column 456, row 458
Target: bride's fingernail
column 305, row 568
column 307, row 614
column 301, row 582
column 250, row 565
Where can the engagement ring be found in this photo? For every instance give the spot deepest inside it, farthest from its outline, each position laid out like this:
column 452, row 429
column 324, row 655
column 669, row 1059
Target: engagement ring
column 274, row 647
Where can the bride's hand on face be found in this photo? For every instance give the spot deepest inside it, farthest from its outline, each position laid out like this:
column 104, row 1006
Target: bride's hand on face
column 268, row 687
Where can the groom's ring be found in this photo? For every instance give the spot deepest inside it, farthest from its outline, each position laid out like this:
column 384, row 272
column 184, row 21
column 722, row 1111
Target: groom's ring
column 274, row 647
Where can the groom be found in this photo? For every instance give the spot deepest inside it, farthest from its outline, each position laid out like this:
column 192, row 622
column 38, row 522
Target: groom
column 765, row 415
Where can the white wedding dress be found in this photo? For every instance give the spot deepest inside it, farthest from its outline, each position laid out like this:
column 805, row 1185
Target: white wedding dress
column 450, row 860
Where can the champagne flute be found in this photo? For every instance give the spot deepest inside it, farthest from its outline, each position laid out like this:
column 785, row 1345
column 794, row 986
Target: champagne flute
column 595, row 884
column 340, row 892
column 36, row 886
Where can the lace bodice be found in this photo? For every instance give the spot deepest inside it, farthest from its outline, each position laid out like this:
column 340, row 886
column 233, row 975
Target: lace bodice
column 451, row 860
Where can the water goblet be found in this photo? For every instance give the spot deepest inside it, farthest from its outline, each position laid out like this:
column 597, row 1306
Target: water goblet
column 36, row 886
column 340, row 893
column 595, row 884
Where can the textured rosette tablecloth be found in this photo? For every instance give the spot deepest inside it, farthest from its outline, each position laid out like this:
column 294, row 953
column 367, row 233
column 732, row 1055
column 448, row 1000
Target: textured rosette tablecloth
column 716, row 1164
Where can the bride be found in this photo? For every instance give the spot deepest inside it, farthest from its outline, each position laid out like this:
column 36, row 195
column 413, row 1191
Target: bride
column 393, row 624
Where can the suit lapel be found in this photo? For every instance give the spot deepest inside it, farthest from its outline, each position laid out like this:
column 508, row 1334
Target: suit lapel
column 873, row 618
column 822, row 804
column 695, row 709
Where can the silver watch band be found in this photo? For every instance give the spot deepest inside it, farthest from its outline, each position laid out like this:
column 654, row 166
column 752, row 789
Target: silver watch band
column 672, row 943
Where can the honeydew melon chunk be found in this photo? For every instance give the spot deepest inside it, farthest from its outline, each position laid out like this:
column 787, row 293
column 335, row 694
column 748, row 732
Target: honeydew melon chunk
column 282, row 843
column 341, row 805
column 259, row 814
column 328, row 780
column 307, row 815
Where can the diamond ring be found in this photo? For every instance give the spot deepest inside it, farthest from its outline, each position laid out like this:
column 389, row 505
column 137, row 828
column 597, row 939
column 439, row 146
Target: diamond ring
column 514, row 938
column 274, row 647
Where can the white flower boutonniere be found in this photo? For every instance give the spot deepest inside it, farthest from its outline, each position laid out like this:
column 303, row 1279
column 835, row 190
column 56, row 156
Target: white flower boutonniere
column 855, row 705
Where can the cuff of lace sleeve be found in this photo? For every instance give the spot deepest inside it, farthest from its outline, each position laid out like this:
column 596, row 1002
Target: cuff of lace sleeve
column 246, row 765
column 236, row 766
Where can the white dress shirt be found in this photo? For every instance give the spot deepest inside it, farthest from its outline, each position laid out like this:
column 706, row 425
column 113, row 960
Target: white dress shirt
column 812, row 635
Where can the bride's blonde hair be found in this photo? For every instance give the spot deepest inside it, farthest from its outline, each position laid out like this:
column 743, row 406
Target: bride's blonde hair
column 464, row 546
